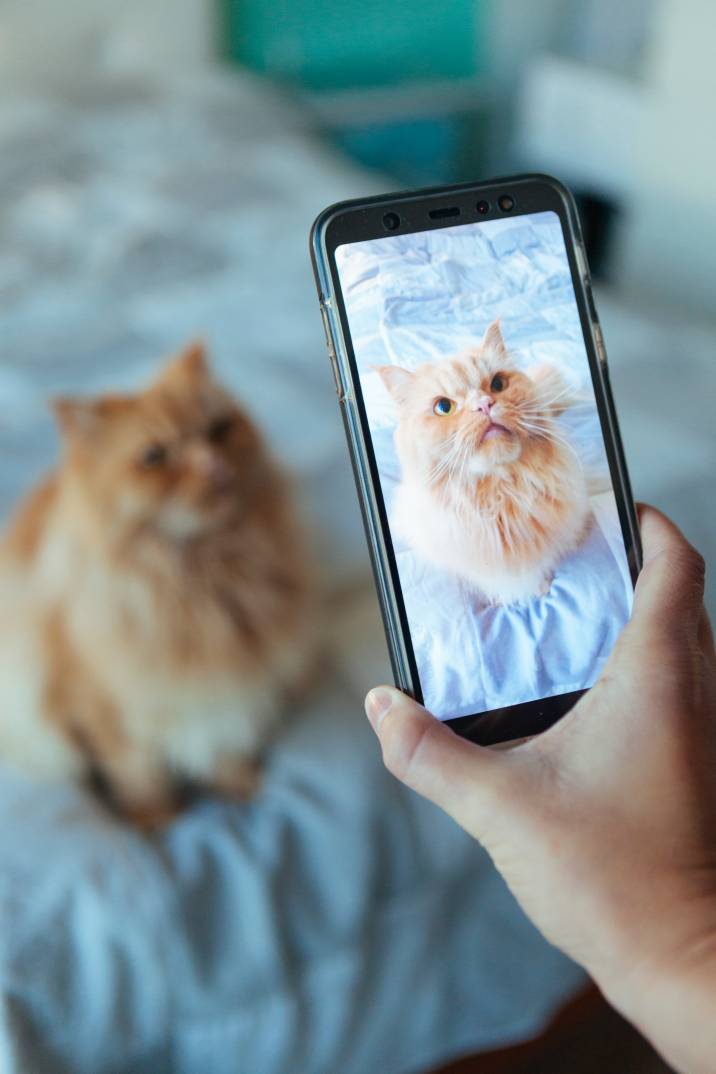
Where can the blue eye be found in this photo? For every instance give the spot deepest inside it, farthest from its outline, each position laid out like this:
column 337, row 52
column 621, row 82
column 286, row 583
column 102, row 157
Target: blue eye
column 443, row 406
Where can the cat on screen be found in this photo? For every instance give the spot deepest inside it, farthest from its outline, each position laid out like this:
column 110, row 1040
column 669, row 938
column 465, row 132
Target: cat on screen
column 490, row 489
column 154, row 597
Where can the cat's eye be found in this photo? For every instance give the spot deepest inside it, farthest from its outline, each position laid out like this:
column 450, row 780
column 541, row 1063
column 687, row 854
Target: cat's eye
column 498, row 382
column 220, row 428
column 443, row 406
column 154, row 456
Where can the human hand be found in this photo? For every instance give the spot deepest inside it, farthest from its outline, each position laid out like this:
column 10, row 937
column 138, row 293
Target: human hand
column 604, row 826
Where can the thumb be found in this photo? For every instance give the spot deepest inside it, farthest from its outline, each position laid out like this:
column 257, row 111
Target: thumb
column 462, row 778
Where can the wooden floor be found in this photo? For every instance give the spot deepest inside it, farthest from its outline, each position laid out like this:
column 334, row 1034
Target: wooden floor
column 587, row 1038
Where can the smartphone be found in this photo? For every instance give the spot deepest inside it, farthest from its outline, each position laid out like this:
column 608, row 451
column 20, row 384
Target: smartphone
column 472, row 377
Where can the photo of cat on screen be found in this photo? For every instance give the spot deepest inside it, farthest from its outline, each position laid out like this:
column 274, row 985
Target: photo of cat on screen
column 490, row 488
column 487, row 442
column 154, row 598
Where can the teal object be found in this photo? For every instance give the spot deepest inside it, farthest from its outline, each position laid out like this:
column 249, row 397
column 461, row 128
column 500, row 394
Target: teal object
column 327, row 49
column 328, row 46
column 420, row 152
column 417, row 151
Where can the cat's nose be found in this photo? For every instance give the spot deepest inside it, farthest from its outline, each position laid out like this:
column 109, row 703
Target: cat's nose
column 484, row 403
column 220, row 474
column 212, row 467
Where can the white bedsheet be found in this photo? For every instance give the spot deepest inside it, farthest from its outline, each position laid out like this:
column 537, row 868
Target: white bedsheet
column 412, row 299
column 338, row 923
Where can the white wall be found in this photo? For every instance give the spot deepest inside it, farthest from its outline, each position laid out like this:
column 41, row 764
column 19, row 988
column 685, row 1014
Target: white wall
column 670, row 243
column 45, row 41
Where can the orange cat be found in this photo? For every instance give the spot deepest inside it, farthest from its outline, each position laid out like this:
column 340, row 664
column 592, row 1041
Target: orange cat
column 153, row 597
column 490, row 489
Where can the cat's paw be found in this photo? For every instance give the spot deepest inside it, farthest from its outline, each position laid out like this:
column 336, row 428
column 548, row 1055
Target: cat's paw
column 239, row 778
column 545, row 585
column 150, row 817
column 140, row 795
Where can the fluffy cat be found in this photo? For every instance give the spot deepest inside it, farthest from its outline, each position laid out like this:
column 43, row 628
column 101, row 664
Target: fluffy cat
column 154, row 597
column 490, row 489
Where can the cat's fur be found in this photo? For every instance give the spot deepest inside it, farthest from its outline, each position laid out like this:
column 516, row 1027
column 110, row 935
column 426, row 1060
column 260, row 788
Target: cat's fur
column 500, row 512
column 154, row 597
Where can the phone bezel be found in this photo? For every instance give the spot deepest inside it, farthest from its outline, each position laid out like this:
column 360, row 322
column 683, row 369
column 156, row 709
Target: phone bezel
column 361, row 219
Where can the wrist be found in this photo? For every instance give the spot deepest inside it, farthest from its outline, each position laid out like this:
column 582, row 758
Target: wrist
column 671, row 996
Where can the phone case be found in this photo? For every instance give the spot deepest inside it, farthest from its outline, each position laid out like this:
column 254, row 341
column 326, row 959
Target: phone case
column 345, row 375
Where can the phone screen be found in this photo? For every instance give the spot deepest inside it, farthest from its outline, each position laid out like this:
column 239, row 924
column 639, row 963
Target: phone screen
column 491, row 459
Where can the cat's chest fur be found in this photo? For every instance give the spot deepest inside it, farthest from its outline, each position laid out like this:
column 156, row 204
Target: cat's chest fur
column 504, row 537
column 184, row 615
column 189, row 654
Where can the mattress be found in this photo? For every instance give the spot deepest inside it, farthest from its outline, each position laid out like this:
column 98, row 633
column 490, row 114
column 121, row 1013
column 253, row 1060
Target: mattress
column 338, row 922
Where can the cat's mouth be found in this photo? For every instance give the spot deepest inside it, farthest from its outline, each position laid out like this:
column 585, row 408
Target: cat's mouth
column 494, row 430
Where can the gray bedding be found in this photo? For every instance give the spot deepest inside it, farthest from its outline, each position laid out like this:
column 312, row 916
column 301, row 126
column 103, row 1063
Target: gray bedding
column 338, row 924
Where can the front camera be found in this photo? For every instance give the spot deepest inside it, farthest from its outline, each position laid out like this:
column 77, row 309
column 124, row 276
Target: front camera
column 483, row 207
column 391, row 221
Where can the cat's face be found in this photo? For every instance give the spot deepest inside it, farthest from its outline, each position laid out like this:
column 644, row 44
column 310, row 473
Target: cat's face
column 470, row 415
column 177, row 460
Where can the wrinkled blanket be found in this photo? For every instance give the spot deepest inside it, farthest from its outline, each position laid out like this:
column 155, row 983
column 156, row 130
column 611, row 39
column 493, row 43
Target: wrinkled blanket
column 421, row 298
column 338, row 923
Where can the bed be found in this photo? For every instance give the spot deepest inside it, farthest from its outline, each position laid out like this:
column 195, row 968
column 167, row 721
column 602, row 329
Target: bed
column 338, row 922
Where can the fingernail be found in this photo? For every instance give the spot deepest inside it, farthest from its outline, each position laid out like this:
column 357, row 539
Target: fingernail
column 377, row 704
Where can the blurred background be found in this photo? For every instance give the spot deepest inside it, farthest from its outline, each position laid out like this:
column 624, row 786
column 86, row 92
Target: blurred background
column 161, row 162
column 610, row 95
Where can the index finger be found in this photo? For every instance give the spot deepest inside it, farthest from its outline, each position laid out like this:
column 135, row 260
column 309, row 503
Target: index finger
column 670, row 588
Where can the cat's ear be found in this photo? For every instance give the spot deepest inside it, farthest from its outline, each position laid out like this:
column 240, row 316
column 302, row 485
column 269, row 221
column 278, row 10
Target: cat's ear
column 493, row 340
column 78, row 417
column 192, row 358
column 555, row 393
column 190, row 365
column 396, row 379
column 73, row 415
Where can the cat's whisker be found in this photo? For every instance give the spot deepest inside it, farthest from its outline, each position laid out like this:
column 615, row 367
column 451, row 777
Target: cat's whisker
column 543, row 406
column 443, row 466
column 462, row 456
column 565, row 395
column 449, row 443
column 535, row 424
column 545, row 432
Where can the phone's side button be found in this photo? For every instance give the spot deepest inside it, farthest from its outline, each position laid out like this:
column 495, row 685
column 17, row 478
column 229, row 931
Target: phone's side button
column 326, row 327
column 340, row 389
column 336, row 376
column 590, row 300
column 601, row 349
column 581, row 257
column 331, row 353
